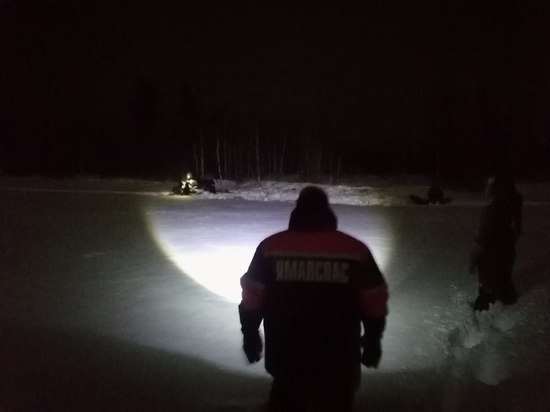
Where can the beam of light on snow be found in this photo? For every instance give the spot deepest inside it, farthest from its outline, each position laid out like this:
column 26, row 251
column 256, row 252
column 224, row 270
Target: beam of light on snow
column 211, row 244
column 215, row 250
column 216, row 266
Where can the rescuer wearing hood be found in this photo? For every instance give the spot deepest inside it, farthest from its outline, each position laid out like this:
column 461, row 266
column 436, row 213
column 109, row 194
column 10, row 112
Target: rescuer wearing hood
column 313, row 287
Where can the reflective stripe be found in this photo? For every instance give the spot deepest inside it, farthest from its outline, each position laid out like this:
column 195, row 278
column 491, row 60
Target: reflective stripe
column 374, row 302
column 311, row 271
column 253, row 294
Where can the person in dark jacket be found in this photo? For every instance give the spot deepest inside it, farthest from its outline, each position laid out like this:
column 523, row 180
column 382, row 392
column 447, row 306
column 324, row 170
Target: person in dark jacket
column 494, row 250
column 186, row 186
column 313, row 287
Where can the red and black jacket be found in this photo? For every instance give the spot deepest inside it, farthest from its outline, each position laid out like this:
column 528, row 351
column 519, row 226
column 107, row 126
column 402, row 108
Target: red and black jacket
column 312, row 289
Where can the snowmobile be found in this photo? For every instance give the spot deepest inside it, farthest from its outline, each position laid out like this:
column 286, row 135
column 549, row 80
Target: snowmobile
column 434, row 195
column 190, row 186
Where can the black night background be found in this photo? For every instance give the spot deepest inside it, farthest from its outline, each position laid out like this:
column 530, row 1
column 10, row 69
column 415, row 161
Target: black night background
column 234, row 89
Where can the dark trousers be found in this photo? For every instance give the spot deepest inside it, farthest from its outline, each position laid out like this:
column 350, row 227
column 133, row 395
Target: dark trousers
column 506, row 293
column 288, row 396
column 495, row 283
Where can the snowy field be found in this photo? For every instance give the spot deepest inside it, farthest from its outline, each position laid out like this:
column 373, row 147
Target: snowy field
column 116, row 295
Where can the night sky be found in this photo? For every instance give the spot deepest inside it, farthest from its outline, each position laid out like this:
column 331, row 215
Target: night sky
column 138, row 87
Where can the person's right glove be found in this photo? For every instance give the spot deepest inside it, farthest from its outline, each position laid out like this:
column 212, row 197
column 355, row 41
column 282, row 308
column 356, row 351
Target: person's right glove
column 372, row 353
column 252, row 346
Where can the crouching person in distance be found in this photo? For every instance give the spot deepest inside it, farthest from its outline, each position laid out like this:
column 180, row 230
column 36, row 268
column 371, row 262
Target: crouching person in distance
column 312, row 286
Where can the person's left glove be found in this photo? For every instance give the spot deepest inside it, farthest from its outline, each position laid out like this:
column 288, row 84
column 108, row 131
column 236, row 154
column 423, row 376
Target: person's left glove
column 252, row 346
column 372, row 353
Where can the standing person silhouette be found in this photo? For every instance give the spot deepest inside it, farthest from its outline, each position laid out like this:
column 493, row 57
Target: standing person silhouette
column 494, row 250
column 313, row 286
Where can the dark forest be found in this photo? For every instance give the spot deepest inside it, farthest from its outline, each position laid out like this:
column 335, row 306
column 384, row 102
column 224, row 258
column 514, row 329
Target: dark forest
column 247, row 89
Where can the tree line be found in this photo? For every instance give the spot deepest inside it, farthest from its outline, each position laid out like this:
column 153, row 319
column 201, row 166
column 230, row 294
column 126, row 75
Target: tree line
column 151, row 138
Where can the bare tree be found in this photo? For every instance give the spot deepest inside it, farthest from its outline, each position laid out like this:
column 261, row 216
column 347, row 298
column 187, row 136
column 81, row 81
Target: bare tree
column 338, row 167
column 282, row 157
column 218, row 158
column 196, row 156
column 201, row 136
column 225, row 154
column 258, row 167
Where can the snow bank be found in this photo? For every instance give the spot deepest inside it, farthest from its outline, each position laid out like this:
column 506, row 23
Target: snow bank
column 368, row 192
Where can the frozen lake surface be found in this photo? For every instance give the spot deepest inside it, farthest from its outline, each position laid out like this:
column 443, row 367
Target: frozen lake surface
column 127, row 301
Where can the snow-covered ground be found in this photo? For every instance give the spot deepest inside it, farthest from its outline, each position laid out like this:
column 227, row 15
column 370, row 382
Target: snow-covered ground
column 117, row 295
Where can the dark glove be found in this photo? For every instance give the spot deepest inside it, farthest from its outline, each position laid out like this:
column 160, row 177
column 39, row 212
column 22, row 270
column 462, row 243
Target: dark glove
column 372, row 353
column 372, row 348
column 252, row 346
